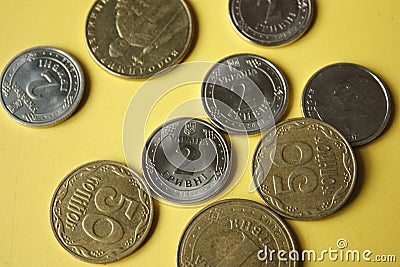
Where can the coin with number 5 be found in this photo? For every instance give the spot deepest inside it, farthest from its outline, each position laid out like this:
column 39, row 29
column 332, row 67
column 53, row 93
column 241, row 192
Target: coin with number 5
column 313, row 170
column 101, row 212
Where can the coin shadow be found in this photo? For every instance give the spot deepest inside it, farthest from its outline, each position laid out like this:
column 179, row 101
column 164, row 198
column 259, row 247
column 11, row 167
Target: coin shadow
column 313, row 18
column 359, row 179
column 154, row 223
column 195, row 31
column 87, row 83
column 296, row 240
column 392, row 115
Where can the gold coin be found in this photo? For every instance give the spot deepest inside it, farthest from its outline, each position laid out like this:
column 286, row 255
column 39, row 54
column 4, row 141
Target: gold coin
column 312, row 169
column 236, row 232
column 137, row 39
column 101, row 212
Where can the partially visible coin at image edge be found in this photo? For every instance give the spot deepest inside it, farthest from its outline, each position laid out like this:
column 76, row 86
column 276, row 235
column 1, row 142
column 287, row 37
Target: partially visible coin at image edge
column 235, row 232
column 41, row 86
column 271, row 23
column 136, row 39
column 101, row 212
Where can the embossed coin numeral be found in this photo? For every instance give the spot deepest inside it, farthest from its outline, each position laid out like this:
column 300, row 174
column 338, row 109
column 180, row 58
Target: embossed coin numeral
column 240, row 254
column 101, row 227
column 106, row 200
column 33, row 86
column 309, row 177
column 270, row 9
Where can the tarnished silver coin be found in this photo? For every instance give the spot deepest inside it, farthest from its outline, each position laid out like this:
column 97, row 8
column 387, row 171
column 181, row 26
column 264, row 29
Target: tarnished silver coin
column 271, row 22
column 351, row 98
column 237, row 232
column 186, row 161
column 244, row 94
column 101, row 212
column 313, row 170
column 138, row 38
column 41, row 86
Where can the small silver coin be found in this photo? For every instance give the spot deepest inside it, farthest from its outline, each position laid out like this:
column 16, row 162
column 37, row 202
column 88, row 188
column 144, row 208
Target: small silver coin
column 244, row 94
column 351, row 98
column 186, row 161
column 271, row 22
column 41, row 86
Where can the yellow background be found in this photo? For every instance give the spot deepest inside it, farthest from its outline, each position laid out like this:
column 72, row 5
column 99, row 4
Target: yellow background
column 33, row 161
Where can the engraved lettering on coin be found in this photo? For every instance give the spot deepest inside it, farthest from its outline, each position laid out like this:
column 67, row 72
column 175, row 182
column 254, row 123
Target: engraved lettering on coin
column 244, row 94
column 313, row 169
column 138, row 38
column 101, row 212
column 232, row 233
column 271, row 22
column 349, row 97
column 41, row 86
column 186, row 161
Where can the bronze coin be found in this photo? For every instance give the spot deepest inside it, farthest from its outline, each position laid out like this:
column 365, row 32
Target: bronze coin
column 235, row 232
column 313, row 169
column 101, row 212
column 137, row 39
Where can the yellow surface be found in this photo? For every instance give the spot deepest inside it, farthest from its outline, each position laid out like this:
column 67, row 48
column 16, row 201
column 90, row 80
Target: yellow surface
column 33, row 161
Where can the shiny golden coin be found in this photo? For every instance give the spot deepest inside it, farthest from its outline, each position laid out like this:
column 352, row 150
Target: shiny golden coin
column 136, row 38
column 236, row 232
column 101, row 212
column 312, row 169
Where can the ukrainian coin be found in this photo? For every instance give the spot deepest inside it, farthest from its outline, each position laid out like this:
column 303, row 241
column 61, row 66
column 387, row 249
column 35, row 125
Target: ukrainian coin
column 41, row 86
column 244, row 94
column 313, row 169
column 271, row 22
column 101, row 212
column 351, row 98
column 236, row 232
column 138, row 38
column 186, row 160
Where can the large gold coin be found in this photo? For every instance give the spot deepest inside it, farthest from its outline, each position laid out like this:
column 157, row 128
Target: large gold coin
column 138, row 38
column 236, row 232
column 312, row 169
column 101, row 212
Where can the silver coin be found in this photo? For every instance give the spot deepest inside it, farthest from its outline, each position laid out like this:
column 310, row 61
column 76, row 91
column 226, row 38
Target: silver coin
column 351, row 98
column 271, row 22
column 41, row 86
column 186, row 161
column 244, row 94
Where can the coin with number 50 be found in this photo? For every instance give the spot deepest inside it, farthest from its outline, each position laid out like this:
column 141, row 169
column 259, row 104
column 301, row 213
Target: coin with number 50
column 101, row 212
